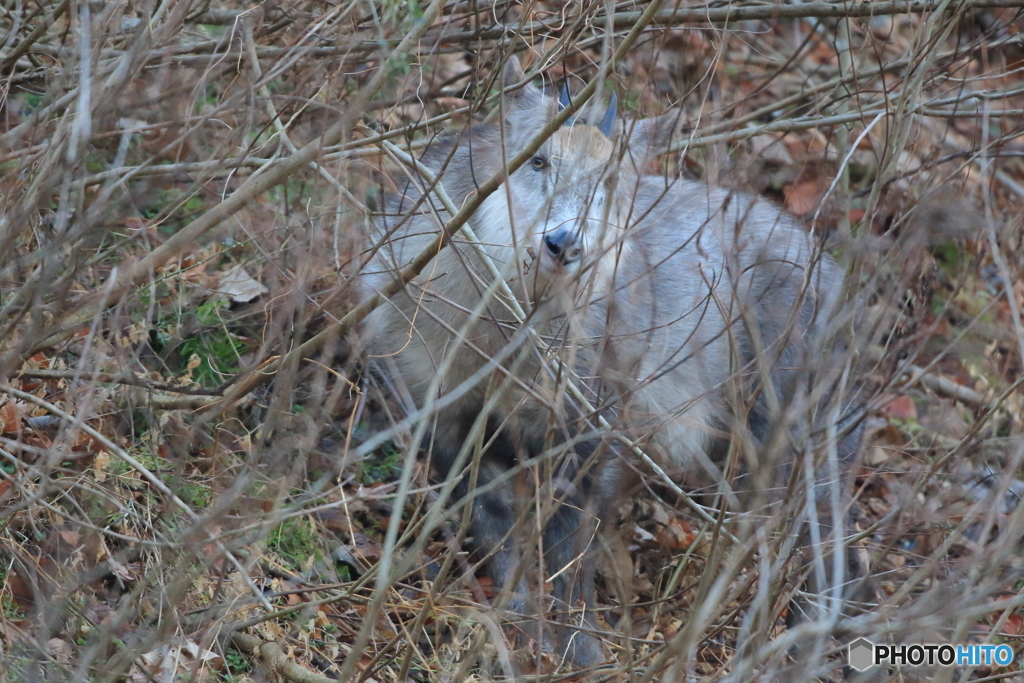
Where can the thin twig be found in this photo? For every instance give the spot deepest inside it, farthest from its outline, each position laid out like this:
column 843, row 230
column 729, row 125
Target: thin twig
column 118, row 378
column 139, row 272
column 25, row 45
column 145, row 473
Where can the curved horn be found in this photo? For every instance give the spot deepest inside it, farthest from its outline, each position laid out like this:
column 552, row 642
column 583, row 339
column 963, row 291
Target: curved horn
column 608, row 122
column 564, row 97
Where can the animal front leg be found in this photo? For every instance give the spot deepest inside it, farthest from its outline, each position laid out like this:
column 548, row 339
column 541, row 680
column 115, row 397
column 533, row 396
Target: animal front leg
column 569, row 558
column 497, row 528
column 502, row 523
column 586, row 494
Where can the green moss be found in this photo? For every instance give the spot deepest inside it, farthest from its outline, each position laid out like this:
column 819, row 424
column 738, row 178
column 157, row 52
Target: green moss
column 295, row 542
column 216, row 347
column 384, row 464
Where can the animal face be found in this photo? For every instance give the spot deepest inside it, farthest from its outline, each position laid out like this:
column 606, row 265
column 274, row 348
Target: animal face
column 565, row 212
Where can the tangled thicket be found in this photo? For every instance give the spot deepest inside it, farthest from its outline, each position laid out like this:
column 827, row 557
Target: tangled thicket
column 187, row 189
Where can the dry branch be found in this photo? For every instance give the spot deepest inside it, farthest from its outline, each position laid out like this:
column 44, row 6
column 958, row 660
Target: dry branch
column 139, row 272
column 218, row 104
column 116, row 378
column 276, row 659
column 944, row 386
column 144, row 472
column 26, row 44
column 734, row 12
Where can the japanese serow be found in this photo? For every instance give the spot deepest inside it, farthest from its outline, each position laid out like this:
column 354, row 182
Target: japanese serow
column 703, row 329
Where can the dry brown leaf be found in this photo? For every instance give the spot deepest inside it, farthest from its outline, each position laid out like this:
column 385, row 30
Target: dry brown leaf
column 61, row 650
column 168, row 661
column 100, row 464
column 803, row 196
column 10, row 418
column 676, row 534
column 901, row 407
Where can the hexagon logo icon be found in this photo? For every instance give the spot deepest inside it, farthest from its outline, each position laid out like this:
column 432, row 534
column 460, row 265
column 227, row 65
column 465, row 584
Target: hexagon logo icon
column 860, row 654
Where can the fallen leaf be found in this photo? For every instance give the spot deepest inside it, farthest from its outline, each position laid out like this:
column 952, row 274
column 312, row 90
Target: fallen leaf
column 901, row 407
column 100, row 465
column 61, row 650
column 239, row 286
column 1014, row 625
column 10, row 418
column 803, row 197
column 676, row 535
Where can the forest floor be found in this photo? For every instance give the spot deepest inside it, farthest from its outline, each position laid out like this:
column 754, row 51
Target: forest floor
column 186, row 190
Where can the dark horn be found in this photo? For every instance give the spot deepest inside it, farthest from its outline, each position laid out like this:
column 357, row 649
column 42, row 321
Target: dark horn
column 609, row 116
column 564, row 97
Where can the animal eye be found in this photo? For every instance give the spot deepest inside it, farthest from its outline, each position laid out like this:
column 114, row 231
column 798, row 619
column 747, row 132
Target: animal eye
column 539, row 163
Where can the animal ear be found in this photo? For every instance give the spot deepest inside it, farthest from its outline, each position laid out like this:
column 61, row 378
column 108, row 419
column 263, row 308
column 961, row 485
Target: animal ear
column 526, row 96
column 513, row 72
column 527, row 110
column 649, row 137
column 607, row 125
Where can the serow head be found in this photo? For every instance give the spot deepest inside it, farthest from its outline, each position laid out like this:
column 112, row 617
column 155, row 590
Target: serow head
column 569, row 204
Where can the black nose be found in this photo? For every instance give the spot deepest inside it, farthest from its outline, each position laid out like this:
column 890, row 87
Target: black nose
column 561, row 245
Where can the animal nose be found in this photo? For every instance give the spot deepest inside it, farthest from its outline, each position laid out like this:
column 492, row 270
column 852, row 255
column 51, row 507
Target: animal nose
column 562, row 246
